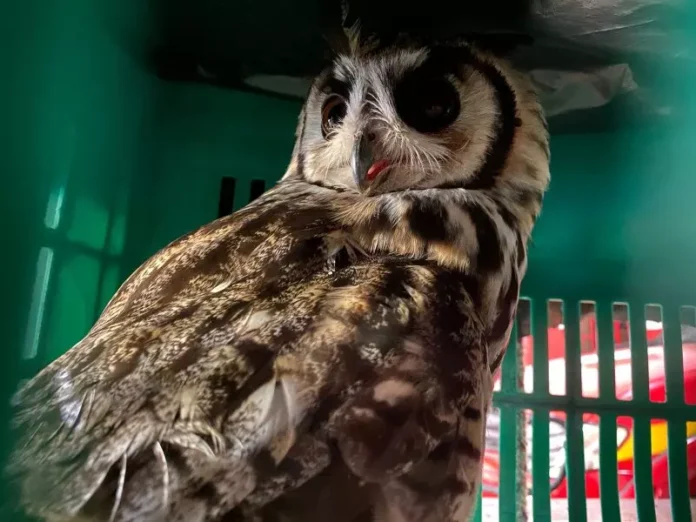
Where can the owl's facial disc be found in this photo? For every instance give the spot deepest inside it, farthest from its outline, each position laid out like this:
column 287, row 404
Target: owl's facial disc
column 395, row 119
column 365, row 164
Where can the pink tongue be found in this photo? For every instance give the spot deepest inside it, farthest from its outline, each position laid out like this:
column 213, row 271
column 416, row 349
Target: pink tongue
column 376, row 168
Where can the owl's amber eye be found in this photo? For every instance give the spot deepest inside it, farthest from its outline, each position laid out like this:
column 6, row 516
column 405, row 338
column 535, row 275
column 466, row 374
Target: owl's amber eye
column 332, row 114
column 427, row 104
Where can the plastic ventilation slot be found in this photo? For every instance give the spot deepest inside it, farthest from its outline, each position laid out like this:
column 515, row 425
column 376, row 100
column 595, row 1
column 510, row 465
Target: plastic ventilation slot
column 234, row 194
column 258, row 187
column 598, row 422
column 226, row 200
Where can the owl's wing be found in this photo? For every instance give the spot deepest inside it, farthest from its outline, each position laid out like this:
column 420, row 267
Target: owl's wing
column 221, row 372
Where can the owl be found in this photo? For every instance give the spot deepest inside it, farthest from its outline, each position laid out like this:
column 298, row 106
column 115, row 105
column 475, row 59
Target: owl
column 327, row 352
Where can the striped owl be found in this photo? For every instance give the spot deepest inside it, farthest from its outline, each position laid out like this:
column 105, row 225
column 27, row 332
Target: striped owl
column 327, row 352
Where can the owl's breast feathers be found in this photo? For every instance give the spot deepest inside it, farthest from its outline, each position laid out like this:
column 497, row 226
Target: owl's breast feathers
column 268, row 359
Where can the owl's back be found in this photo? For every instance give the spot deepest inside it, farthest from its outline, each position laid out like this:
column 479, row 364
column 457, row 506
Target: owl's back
column 210, row 387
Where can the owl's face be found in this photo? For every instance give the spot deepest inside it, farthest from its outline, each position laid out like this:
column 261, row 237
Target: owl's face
column 409, row 118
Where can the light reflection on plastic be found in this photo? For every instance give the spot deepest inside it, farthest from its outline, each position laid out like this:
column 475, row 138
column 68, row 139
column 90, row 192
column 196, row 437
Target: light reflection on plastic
column 38, row 303
column 54, row 209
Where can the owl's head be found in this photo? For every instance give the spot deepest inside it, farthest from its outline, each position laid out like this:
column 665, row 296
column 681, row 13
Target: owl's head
column 410, row 116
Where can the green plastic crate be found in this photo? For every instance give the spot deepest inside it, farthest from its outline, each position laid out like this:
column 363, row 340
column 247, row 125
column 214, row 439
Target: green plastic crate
column 103, row 163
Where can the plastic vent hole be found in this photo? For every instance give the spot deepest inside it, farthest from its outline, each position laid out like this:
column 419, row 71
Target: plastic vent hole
column 688, row 328
column 589, row 355
column 623, row 361
column 226, row 200
column 258, row 187
column 557, row 349
column 654, row 335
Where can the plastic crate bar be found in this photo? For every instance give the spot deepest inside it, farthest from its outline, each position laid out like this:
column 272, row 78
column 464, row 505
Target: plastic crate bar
column 674, row 357
column 608, row 481
column 642, row 442
column 590, row 405
column 507, row 493
column 677, row 461
column 541, row 488
column 507, row 501
column 605, row 351
column 639, row 353
column 676, row 430
column 541, row 500
column 575, row 468
column 642, row 469
column 575, row 453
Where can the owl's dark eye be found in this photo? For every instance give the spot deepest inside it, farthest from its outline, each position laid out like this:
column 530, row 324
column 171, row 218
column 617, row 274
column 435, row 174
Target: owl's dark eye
column 427, row 104
column 332, row 113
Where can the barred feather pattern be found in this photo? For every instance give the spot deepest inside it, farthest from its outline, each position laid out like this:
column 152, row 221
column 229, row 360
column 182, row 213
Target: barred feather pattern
column 321, row 354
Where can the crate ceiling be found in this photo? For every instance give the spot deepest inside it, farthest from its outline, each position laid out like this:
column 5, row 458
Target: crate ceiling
column 598, row 63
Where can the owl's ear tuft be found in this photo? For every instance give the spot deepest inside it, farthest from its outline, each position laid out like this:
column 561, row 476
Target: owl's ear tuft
column 351, row 27
column 337, row 42
column 352, row 33
column 345, row 40
column 360, row 43
column 349, row 39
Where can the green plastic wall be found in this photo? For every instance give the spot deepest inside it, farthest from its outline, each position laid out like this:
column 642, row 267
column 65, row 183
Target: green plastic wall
column 204, row 134
column 102, row 164
column 76, row 108
column 75, row 133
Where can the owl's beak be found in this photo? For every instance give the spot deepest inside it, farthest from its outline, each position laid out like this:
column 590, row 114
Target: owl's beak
column 365, row 167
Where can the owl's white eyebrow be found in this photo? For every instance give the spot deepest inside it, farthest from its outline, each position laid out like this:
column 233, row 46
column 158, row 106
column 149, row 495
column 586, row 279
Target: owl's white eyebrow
column 344, row 69
column 400, row 63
